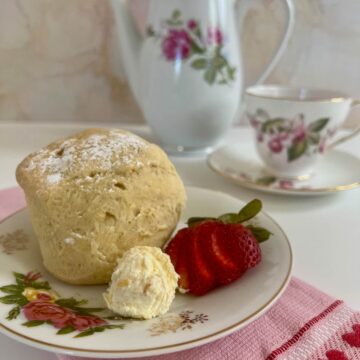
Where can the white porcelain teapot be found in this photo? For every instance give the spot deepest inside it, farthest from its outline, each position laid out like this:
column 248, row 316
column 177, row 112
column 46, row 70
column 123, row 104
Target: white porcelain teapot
column 186, row 74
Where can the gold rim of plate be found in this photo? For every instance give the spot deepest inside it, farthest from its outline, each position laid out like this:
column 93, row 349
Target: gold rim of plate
column 216, row 334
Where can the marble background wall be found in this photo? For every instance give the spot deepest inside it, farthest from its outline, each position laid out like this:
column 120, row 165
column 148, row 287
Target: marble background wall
column 59, row 60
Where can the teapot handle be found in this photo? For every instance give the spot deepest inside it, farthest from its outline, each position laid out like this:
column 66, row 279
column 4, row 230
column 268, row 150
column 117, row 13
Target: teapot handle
column 284, row 43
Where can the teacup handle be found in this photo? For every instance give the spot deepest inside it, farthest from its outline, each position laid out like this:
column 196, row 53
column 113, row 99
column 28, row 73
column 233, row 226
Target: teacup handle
column 348, row 136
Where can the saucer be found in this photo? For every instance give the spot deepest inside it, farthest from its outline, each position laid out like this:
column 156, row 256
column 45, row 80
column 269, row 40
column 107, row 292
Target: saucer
column 337, row 171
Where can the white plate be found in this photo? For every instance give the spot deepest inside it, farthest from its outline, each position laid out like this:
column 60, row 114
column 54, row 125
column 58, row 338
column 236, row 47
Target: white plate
column 192, row 321
column 337, row 171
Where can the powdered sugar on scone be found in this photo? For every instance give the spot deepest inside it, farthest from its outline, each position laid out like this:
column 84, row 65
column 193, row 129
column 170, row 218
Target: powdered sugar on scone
column 102, row 151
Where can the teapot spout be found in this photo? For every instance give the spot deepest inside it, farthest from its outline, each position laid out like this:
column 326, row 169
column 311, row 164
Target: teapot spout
column 130, row 42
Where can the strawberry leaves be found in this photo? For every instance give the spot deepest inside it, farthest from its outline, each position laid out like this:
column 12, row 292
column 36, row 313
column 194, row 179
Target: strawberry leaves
column 248, row 212
column 261, row 234
column 197, row 220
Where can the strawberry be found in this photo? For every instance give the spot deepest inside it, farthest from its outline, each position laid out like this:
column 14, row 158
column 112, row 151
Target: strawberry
column 243, row 247
column 213, row 240
column 172, row 248
column 216, row 251
column 180, row 257
column 202, row 278
column 184, row 251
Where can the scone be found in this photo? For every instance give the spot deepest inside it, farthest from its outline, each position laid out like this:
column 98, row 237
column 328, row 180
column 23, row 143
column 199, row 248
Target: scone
column 95, row 195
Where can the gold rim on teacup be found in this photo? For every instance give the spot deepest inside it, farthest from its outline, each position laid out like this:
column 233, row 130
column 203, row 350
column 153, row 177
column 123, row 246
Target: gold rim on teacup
column 264, row 92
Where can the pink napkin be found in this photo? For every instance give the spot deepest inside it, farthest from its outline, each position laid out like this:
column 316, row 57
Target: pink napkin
column 304, row 324
column 11, row 201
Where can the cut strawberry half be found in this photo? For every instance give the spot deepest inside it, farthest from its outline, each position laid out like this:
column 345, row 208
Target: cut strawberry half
column 213, row 238
column 181, row 266
column 216, row 251
column 173, row 247
column 202, row 278
column 242, row 246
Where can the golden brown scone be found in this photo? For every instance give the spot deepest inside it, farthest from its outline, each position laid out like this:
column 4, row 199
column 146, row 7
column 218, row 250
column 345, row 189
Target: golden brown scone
column 96, row 194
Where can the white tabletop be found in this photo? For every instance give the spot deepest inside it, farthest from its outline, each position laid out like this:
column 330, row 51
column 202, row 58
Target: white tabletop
column 324, row 230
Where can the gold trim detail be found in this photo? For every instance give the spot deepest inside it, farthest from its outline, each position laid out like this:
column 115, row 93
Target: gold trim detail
column 335, row 99
column 211, row 337
column 171, row 323
column 14, row 241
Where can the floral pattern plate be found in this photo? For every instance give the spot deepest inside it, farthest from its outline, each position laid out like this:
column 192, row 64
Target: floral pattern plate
column 337, row 171
column 41, row 311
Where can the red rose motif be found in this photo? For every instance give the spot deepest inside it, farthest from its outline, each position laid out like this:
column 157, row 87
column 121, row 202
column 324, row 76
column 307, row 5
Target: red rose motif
column 83, row 322
column 353, row 339
column 177, row 45
column 46, row 311
column 192, row 24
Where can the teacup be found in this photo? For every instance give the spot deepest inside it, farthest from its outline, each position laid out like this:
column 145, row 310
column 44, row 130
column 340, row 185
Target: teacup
column 294, row 127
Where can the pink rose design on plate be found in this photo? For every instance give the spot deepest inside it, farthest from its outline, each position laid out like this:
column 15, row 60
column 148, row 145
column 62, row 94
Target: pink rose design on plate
column 40, row 305
column 177, row 45
column 59, row 316
column 83, row 322
column 45, row 311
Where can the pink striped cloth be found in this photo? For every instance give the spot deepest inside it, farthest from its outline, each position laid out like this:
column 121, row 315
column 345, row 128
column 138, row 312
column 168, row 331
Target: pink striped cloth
column 305, row 324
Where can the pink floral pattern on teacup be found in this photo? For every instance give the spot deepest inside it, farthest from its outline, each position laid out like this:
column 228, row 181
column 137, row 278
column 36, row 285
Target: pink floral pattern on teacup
column 292, row 135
